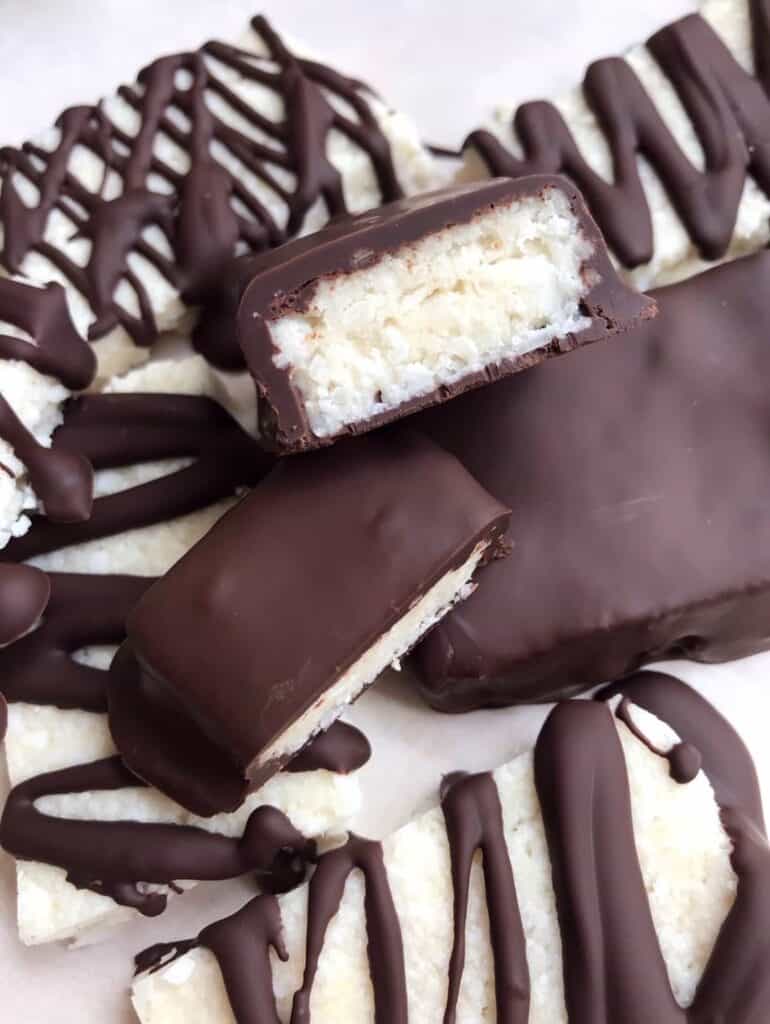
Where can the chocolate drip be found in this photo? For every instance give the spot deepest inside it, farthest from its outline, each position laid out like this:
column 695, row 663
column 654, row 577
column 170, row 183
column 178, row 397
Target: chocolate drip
column 580, row 774
column 726, row 761
column 386, row 952
column 684, row 760
column 342, row 749
column 207, row 212
column 118, row 430
column 116, row 858
column 56, row 348
column 83, row 611
column 242, row 945
column 63, row 481
column 602, row 905
column 730, row 113
column 474, row 822
column 3, row 717
column 735, row 986
column 24, row 594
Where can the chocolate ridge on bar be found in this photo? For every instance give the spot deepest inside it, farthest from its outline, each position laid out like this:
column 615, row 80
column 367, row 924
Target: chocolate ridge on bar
column 701, row 59
column 612, row 960
column 258, row 638
column 638, row 473
column 285, row 283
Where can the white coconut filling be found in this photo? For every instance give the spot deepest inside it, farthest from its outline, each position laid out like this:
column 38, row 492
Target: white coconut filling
column 684, row 856
column 388, row 650
column 453, row 303
column 675, row 256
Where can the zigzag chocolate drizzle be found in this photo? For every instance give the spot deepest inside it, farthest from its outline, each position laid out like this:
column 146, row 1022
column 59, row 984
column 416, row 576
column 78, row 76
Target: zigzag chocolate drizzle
column 729, row 110
column 206, row 212
column 613, row 967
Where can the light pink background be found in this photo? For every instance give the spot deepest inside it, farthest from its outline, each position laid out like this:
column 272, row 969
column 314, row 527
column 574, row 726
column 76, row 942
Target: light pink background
column 446, row 63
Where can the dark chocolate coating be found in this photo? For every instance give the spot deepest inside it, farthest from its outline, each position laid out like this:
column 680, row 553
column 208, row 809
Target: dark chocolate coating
column 206, row 212
column 613, row 967
column 276, row 612
column 24, row 595
column 730, row 113
column 284, row 281
column 638, row 472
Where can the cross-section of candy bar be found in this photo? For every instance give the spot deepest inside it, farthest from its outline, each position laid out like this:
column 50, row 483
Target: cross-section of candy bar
column 134, row 203
column 669, row 145
column 599, row 879
column 382, row 314
column 328, row 572
column 637, row 472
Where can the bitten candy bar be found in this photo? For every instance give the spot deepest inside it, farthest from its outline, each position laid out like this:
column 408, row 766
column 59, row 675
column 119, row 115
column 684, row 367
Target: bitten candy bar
column 381, row 314
column 588, row 882
column 334, row 566
column 639, row 474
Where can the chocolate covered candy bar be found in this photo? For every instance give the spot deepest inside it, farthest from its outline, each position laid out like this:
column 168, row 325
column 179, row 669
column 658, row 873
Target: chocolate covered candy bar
column 669, row 145
column 589, row 881
column 637, row 472
column 328, row 572
column 43, row 360
column 94, row 846
column 135, row 203
column 381, row 314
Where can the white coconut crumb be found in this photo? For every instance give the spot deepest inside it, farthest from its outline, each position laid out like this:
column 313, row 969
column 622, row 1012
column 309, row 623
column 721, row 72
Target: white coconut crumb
column 675, row 256
column 456, row 302
column 37, row 401
column 684, row 855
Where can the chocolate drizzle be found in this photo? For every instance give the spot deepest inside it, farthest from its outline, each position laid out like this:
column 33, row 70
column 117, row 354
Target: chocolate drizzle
column 24, row 595
column 119, row 430
column 342, row 749
column 684, row 760
column 603, row 910
column 63, row 481
column 474, row 822
column 207, row 212
column 83, row 611
column 613, row 967
column 730, row 113
column 119, row 858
